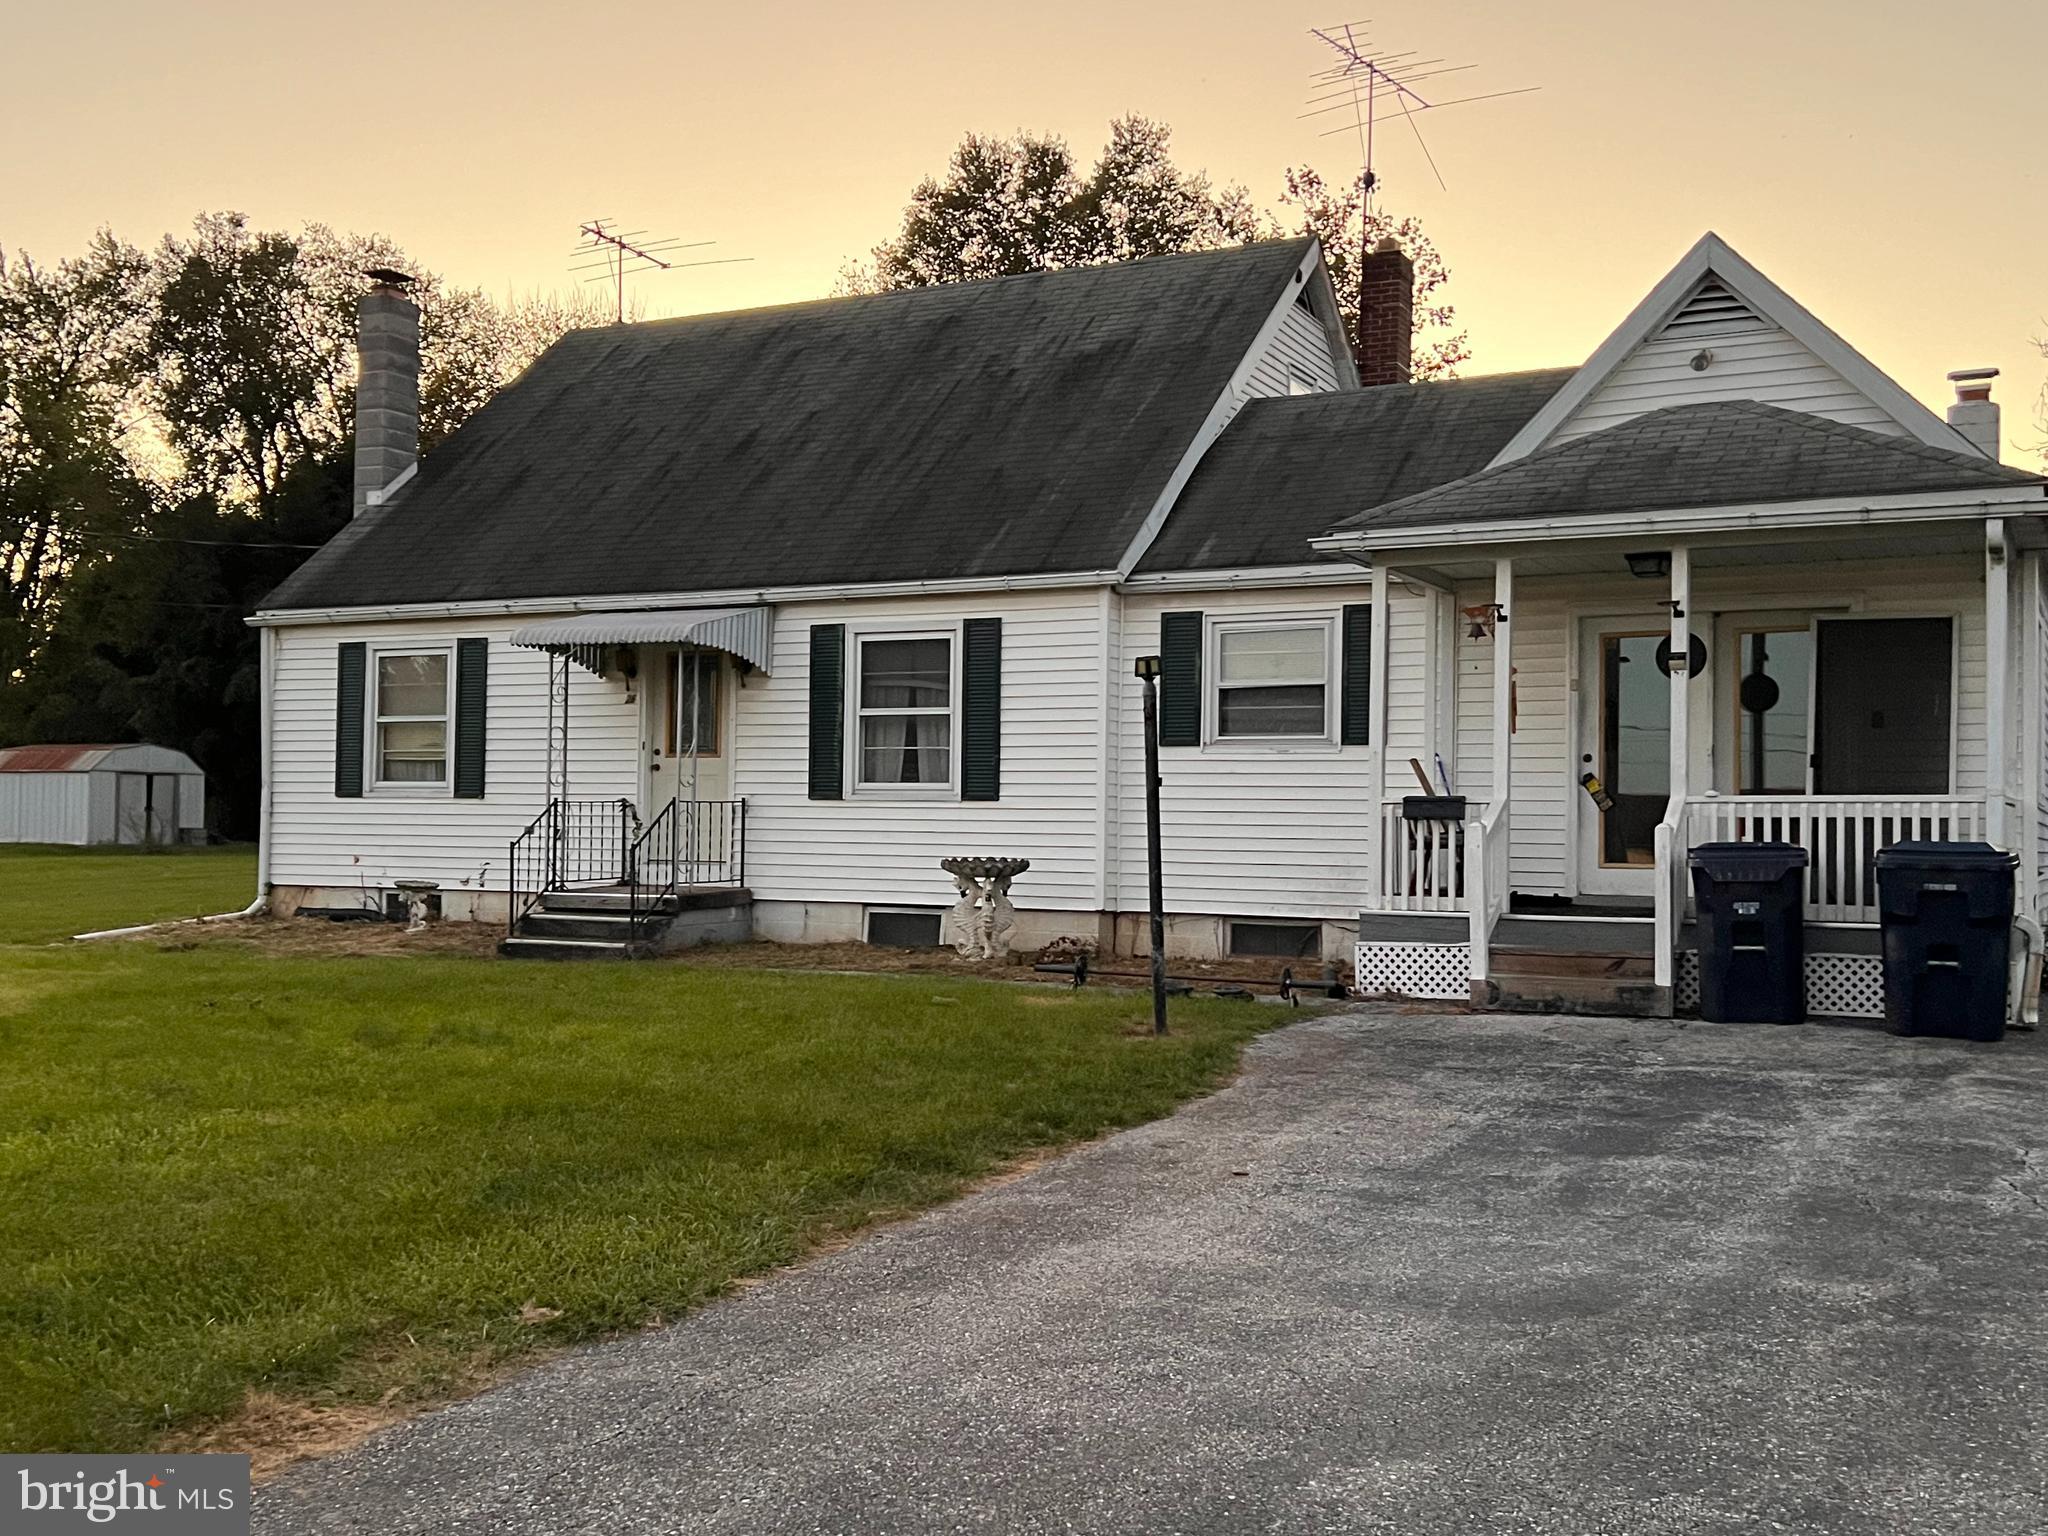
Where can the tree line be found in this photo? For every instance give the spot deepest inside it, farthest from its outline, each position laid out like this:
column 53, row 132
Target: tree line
column 175, row 423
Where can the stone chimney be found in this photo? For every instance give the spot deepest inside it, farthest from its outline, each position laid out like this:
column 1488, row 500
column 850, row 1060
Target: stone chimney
column 1974, row 414
column 388, row 389
column 1386, row 315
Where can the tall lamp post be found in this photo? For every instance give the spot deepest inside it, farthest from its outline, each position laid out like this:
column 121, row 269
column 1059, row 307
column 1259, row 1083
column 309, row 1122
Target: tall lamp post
column 1148, row 673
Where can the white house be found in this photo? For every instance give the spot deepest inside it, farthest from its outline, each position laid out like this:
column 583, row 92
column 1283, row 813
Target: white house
column 761, row 615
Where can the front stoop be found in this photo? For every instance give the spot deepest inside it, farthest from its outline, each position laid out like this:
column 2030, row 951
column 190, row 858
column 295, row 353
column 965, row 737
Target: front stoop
column 599, row 924
column 1567, row 965
column 1538, row 981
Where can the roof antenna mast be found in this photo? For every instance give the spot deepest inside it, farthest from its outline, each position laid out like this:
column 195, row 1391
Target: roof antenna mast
column 1369, row 85
column 611, row 255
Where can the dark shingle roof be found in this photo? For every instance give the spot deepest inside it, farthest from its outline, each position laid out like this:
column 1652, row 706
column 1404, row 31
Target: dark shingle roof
column 1723, row 453
column 1010, row 427
column 1287, row 469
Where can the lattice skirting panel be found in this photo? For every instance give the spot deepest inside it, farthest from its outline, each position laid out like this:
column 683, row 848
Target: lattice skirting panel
column 1837, row 986
column 1442, row 971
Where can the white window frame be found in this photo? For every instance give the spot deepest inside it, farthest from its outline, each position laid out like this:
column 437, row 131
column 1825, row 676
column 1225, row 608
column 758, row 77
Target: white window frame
column 1213, row 684
column 908, row 630
column 374, row 718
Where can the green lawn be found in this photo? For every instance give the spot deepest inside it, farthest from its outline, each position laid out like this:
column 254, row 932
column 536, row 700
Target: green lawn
column 331, row 1178
column 51, row 893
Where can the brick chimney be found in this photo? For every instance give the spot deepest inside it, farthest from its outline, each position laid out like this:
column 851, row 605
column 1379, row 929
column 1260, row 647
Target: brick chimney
column 388, row 388
column 1386, row 315
column 1975, row 414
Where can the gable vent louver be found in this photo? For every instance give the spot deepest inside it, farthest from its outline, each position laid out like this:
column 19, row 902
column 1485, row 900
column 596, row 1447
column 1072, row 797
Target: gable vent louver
column 1713, row 311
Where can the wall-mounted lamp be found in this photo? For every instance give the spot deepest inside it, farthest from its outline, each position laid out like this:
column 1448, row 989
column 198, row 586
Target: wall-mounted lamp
column 1483, row 619
column 1649, row 562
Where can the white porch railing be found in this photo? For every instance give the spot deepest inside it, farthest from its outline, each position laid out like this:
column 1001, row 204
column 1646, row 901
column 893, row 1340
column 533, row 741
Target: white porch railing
column 1487, row 880
column 1423, row 863
column 1841, row 834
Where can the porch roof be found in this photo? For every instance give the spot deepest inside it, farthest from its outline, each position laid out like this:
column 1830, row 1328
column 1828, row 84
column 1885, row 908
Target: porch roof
column 747, row 633
column 1719, row 453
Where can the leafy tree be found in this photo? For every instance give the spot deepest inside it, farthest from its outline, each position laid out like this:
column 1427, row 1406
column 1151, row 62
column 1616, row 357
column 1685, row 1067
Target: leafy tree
column 1332, row 213
column 253, row 346
column 1021, row 204
column 69, row 348
column 135, row 541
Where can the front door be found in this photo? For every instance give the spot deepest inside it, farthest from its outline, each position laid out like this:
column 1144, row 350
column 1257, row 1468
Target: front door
column 1625, row 744
column 689, row 709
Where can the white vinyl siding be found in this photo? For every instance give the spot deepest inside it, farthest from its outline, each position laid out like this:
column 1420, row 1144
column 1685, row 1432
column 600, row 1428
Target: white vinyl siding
column 318, row 839
column 2033, row 728
column 1248, row 828
column 879, row 848
column 1297, row 361
column 1546, row 752
column 1764, row 364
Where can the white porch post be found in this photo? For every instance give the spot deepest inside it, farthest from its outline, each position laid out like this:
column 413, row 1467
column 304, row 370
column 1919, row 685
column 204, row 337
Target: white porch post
column 1503, row 678
column 1997, row 685
column 1669, row 890
column 1681, row 668
column 1376, row 728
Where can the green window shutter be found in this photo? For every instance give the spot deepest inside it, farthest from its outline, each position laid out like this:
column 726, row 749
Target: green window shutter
column 350, row 668
column 1356, row 706
column 472, row 667
column 981, row 709
column 1180, row 680
column 828, row 711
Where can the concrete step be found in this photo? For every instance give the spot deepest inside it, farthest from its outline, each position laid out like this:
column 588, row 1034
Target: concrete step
column 620, row 902
column 1577, row 935
column 1627, row 996
column 1546, row 962
column 606, row 927
column 522, row 948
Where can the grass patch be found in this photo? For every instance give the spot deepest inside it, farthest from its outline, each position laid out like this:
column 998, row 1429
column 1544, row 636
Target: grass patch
column 49, row 893
column 345, row 1180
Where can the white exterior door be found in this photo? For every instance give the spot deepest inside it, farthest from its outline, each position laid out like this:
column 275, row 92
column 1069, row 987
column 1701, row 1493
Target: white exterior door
column 1624, row 743
column 688, row 729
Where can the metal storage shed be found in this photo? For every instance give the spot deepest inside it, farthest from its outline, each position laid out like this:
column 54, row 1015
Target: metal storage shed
column 136, row 794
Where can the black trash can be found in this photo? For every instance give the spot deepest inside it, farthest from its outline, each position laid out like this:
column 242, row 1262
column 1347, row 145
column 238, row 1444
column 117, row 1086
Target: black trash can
column 1752, row 935
column 1947, row 914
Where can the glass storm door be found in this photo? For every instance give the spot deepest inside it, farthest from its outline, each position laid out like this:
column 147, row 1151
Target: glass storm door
column 1625, row 744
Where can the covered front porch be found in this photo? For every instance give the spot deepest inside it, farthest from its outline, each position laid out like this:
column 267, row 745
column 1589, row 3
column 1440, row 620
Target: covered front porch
column 1603, row 702
column 668, row 864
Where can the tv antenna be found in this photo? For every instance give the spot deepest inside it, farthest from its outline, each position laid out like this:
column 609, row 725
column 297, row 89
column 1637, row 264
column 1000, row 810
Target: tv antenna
column 612, row 255
column 1371, row 86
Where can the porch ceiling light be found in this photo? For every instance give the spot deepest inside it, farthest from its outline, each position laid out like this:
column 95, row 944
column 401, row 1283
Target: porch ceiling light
column 1649, row 562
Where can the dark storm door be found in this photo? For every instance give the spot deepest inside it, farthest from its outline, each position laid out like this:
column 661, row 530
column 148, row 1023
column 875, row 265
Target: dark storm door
column 1883, row 706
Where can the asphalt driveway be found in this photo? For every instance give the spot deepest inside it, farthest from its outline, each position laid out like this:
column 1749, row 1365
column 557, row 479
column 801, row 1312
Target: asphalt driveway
column 1410, row 1274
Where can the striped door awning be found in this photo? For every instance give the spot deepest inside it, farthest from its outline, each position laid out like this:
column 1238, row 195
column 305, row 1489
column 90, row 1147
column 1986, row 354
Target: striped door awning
column 747, row 633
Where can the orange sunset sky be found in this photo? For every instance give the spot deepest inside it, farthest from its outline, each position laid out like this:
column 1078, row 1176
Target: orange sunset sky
column 1883, row 161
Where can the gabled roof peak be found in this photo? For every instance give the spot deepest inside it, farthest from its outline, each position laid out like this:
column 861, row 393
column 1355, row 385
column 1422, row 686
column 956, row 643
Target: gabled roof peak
column 1714, row 290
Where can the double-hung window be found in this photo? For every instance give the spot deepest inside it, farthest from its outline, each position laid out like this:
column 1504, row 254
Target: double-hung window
column 411, row 717
column 1272, row 681
column 904, row 696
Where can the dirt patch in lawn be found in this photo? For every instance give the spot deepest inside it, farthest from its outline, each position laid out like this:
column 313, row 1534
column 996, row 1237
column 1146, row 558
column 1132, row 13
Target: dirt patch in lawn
column 762, row 955
column 317, row 936
column 308, row 936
